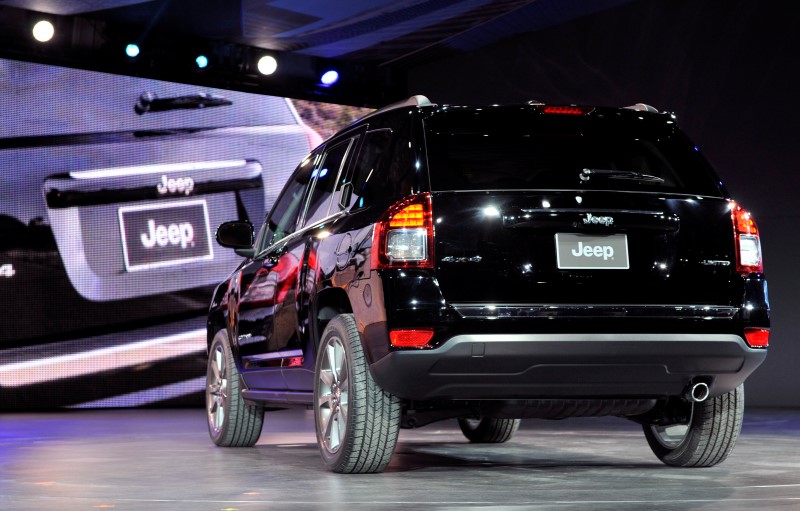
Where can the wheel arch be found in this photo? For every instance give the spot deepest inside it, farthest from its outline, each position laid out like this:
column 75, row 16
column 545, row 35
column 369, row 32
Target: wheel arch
column 216, row 322
column 330, row 302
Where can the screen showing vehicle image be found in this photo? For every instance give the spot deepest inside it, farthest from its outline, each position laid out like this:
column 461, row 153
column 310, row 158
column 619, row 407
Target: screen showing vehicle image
column 112, row 188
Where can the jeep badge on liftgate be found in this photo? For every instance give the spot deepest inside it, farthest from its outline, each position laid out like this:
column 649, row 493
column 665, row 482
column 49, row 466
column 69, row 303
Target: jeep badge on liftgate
column 184, row 185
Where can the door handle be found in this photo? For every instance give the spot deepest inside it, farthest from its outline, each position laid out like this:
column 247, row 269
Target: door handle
column 274, row 257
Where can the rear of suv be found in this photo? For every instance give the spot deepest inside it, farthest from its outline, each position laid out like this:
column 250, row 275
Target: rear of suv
column 491, row 264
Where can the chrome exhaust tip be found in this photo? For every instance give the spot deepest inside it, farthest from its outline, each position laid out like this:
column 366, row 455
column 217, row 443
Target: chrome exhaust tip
column 698, row 392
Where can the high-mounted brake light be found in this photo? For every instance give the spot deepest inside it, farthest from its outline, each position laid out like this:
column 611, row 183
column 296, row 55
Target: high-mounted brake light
column 747, row 241
column 403, row 238
column 566, row 109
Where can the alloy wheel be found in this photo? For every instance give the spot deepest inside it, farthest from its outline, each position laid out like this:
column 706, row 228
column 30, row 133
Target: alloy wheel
column 334, row 387
column 217, row 390
column 672, row 435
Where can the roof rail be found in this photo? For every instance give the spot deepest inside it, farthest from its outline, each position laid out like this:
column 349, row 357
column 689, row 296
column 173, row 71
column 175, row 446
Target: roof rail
column 417, row 100
column 641, row 107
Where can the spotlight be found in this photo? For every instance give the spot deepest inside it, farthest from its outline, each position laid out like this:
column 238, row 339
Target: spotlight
column 201, row 61
column 267, row 65
column 132, row 50
column 43, row 31
column 329, row 78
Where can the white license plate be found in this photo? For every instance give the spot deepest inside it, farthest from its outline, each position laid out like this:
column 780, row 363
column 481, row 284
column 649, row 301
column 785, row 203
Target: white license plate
column 157, row 235
column 592, row 251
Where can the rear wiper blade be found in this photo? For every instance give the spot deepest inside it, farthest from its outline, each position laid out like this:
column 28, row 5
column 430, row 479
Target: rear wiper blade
column 149, row 102
column 586, row 174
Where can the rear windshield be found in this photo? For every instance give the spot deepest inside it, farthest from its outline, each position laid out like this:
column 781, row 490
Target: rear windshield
column 527, row 150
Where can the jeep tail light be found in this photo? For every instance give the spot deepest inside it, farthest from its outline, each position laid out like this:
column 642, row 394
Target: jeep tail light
column 410, row 338
column 757, row 337
column 748, row 244
column 566, row 109
column 403, row 238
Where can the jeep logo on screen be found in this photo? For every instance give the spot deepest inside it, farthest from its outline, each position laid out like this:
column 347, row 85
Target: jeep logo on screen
column 592, row 251
column 171, row 186
column 173, row 234
column 155, row 235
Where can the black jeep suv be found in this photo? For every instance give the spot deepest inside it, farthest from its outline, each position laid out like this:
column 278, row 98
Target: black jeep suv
column 490, row 264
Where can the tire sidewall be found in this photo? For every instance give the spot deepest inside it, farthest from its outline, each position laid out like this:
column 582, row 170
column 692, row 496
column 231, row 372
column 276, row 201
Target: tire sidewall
column 683, row 454
column 336, row 329
column 689, row 443
column 220, row 341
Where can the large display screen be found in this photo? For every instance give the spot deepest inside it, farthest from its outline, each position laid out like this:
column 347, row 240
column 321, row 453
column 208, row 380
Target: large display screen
column 112, row 188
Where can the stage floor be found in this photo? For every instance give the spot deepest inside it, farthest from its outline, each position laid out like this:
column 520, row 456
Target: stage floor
column 163, row 460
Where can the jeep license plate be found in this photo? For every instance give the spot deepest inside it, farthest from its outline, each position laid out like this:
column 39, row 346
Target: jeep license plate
column 592, row 251
column 157, row 235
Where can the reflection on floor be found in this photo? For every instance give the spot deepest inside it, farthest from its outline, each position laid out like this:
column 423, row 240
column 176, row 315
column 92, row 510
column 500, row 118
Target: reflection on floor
column 163, row 460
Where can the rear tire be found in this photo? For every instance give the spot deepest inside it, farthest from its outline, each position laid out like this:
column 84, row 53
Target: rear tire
column 707, row 439
column 357, row 422
column 487, row 430
column 231, row 422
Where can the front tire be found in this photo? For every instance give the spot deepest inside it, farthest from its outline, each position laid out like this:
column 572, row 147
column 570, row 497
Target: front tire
column 706, row 439
column 487, row 430
column 231, row 421
column 357, row 422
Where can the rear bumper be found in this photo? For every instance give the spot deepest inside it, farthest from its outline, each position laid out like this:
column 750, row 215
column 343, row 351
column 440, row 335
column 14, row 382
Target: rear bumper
column 538, row 366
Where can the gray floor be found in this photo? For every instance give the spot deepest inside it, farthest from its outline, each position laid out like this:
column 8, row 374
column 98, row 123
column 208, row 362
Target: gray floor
column 163, row 460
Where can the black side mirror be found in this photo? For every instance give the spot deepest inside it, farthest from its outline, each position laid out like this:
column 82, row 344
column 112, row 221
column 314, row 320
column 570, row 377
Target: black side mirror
column 237, row 234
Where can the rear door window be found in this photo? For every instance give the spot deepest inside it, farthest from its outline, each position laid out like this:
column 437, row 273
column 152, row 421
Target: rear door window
column 370, row 160
column 283, row 218
column 328, row 175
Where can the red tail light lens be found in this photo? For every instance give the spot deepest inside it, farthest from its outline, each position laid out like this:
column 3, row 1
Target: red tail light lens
column 566, row 109
column 410, row 338
column 757, row 337
column 403, row 238
column 747, row 240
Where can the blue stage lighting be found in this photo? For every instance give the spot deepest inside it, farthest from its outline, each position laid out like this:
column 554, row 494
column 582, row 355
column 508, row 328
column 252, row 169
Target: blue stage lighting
column 202, row 61
column 329, row 78
column 132, row 50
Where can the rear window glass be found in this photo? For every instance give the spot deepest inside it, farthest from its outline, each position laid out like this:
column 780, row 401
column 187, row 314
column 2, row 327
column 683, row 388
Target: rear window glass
column 385, row 169
column 327, row 176
column 489, row 152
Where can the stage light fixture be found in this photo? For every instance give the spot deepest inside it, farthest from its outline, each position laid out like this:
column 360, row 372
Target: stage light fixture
column 267, row 65
column 329, row 78
column 201, row 61
column 43, row 31
column 132, row 50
